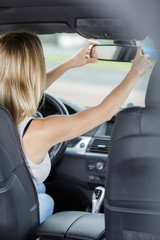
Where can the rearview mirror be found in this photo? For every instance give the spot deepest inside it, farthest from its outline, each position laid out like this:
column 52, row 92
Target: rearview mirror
column 119, row 53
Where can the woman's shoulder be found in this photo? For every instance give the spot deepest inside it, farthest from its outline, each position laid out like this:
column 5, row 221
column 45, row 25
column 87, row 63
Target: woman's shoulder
column 22, row 125
column 33, row 142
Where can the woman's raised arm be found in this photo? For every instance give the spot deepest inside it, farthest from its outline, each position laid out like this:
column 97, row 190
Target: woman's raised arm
column 78, row 60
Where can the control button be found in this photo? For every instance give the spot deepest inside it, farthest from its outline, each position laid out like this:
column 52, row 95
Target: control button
column 91, row 167
column 82, row 145
column 97, row 179
column 100, row 166
column 91, row 177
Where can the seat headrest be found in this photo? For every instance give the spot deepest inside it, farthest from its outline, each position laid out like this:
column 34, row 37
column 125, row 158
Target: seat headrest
column 152, row 98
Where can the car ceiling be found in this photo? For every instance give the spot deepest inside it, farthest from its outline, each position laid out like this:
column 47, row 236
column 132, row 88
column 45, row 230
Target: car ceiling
column 45, row 16
column 87, row 17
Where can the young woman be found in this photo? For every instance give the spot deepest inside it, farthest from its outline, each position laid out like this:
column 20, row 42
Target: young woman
column 23, row 80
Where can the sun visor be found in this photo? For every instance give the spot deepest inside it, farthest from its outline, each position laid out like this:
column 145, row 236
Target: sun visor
column 108, row 28
column 40, row 28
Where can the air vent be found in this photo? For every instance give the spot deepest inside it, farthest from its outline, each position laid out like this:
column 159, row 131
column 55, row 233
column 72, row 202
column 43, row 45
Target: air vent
column 99, row 146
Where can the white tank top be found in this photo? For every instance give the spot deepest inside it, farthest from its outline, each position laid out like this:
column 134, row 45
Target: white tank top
column 39, row 172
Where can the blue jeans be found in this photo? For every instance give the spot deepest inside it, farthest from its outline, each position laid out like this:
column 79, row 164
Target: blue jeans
column 46, row 203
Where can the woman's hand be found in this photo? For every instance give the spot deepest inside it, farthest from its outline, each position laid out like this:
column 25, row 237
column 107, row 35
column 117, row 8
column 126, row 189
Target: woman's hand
column 77, row 60
column 141, row 63
column 81, row 58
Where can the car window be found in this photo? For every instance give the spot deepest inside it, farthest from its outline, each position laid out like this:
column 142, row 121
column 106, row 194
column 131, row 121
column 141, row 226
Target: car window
column 88, row 85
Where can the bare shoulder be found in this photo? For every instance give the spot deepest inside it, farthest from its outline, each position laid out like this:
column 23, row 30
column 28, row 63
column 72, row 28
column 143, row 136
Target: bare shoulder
column 37, row 131
column 33, row 142
column 42, row 133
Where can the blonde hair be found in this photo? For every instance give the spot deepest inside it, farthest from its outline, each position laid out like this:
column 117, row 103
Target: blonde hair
column 22, row 74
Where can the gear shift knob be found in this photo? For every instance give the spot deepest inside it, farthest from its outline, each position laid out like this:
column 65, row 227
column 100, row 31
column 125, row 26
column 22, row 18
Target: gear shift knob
column 97, row 199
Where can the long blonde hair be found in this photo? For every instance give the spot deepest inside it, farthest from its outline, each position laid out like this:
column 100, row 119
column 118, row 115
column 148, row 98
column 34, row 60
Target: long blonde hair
column 22, row 74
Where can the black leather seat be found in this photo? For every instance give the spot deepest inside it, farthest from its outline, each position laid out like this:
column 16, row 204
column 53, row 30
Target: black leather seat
column 19, row 213
column 132, row 201
column 18, row 199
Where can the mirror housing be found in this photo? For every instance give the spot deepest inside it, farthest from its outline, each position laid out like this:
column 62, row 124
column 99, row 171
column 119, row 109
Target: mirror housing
column 114, row 52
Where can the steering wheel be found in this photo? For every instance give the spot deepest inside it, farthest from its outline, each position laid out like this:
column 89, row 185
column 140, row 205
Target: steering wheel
column 51, row 105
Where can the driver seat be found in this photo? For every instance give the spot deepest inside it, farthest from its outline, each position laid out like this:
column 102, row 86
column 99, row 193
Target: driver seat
column 19, row 215
column 19, row 209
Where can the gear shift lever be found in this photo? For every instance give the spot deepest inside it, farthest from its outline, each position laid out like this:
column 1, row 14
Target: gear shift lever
column 97, row 199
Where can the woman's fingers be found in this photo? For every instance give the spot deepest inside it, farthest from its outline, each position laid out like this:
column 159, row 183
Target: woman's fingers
column 88, row 44
column 147, row 56
column 141, row 63
column 139, row 51
column 91, row 60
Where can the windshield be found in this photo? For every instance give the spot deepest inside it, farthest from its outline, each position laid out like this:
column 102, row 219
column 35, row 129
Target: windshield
column 88, row 85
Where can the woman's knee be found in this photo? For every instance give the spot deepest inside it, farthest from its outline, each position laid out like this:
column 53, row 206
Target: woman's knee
column 46, row 206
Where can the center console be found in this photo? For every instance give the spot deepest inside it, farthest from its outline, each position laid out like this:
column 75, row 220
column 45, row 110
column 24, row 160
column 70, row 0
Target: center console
column 95, row 152
column 96, row 160
column 73, row 225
